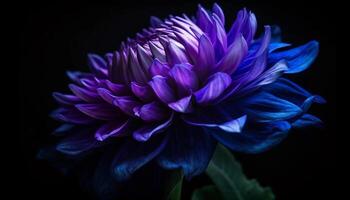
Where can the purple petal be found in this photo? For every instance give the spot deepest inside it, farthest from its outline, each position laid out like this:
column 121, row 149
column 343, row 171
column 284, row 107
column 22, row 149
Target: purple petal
column 155, row 22
column 218, row 11
column 98, row 111
column 112, row 129
column 90, row 84
column 127, row 104
column 190, row 42
column 159, row 68
column 264, row 44
column 97, row 65
column 157, row 52
column 147, row 131
column 137, row 71
column 77, row 144
column 115, row 70
column 204, row 20
column 117, row 89
column 162, row 89
column 215, row 86
column 234, row 56
column 66, row 99
column 206, row 56
column 144, row 57
column 269, row 76
column 106, row 95
column 245, row 24
column 185, row 79
column 250, row 28
column 235, row 30
column 83, row 93
column 152, row 112
column 183, row 105
column 144, row 92
column 71, row 115
column 220, row 44
column 175, row 55
column 75, row 76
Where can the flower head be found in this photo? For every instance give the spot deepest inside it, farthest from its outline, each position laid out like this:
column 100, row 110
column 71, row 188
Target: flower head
column 182, row 85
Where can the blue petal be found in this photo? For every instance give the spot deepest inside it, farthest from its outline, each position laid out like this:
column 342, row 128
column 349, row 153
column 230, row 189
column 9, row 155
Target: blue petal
column 307, row 120
column 77, row 144
column 189, row 149
column 112, row 129
column 253, row 139
column 286, row 89
column 265, row 107
column 63, row 129
column 299, row 58
column 216, row 117
column 133, row 155
column 147, row 131
column 277, row 45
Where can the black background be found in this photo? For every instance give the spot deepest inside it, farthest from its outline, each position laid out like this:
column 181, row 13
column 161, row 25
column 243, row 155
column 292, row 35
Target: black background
column 57, row 38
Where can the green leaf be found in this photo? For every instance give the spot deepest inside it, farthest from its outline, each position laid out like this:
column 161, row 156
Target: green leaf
column 208, row 192
column 174, row 185
column 228, row 176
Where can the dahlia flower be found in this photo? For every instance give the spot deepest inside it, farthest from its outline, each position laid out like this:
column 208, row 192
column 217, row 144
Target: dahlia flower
column 182, row 85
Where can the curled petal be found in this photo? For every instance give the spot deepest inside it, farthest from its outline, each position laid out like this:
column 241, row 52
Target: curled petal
column 307, row 120
column 286, row 89
column 265, row 107
column 152, row 112
column 159, row 68
column 147, row 131
column 144, row 92
column 253, row 139
column 183, row 105
column 232, row 125
column 127, row 104
column 214, row 87
column 162, row 89
column 112, row 129
column 185, row 79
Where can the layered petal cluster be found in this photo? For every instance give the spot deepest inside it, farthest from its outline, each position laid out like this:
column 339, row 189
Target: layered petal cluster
column 180, row 86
